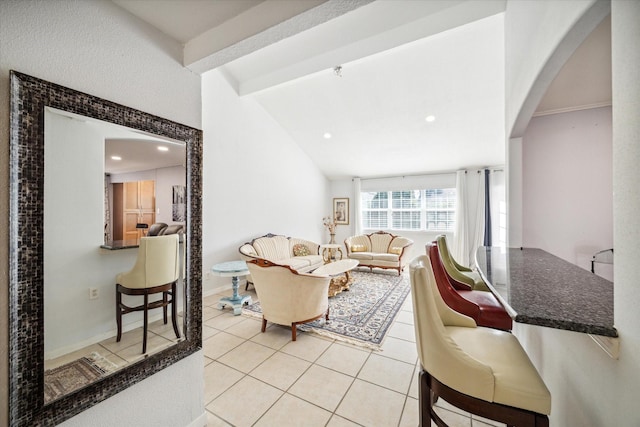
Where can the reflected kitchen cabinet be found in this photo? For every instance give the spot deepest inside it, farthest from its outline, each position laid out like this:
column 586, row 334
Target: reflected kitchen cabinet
column 133, row 203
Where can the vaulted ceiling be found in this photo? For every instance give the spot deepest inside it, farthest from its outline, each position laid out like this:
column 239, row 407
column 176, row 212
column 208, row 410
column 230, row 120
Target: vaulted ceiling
column 401, row 61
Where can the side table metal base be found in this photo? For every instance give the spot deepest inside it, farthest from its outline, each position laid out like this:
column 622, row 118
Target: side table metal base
column 236, row 303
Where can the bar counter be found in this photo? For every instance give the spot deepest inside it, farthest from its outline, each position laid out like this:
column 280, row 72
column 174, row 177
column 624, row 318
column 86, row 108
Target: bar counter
column 115, row 245
column 541, row 289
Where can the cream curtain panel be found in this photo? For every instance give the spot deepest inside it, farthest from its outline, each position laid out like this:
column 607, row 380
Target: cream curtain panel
column 470, row 212
column 357, row 187
column 469, row 229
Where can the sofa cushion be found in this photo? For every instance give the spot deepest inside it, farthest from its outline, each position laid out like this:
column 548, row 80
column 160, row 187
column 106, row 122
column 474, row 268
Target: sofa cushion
column 297, row 263
column 386, row 257
column 395, row 250
column 315, row 261
column 301, row 250
column 272, row 247
column 302, row 264
column 362, row 255
column 358, row 248
column 380, row 242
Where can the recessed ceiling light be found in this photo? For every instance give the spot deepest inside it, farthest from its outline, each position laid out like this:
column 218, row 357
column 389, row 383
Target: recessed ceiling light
column 430, row 118
column 163, row 148
column 327, row 135
column 116, row 158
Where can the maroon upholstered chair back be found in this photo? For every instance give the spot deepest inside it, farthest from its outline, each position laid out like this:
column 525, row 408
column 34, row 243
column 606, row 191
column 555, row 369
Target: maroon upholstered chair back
column 481, row 306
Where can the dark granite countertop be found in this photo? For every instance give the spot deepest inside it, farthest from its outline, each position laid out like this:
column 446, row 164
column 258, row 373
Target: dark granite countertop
column 541, row 289
column 121, row 244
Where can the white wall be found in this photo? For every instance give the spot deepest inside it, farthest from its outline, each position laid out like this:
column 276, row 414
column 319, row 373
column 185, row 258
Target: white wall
column 165, row 180
column 625, row 33
column 341, row 188
column 588, row 388
column 567, row 185
column 97, row 48
column 256, row 179
column 539, row 37
column 73, row 224
column 533, row 31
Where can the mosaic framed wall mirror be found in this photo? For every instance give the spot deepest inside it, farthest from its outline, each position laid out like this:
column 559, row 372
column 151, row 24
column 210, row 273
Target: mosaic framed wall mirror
column 63, row 256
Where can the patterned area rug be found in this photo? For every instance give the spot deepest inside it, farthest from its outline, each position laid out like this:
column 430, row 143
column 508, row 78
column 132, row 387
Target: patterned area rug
column 363, row 314
column 75, row 375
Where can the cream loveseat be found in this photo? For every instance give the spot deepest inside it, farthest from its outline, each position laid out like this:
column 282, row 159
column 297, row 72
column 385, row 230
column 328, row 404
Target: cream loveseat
column 379, row 249
column 299, row 254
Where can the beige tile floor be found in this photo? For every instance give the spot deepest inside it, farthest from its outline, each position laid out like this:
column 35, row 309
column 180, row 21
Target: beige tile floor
column 265, row 379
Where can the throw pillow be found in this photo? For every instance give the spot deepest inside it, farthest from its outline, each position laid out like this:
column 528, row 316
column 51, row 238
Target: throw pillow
column 358, row 248
column 301, row 250
column 395, row 250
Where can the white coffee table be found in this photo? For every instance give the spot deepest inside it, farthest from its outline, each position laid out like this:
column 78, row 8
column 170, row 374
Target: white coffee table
column 338, row 268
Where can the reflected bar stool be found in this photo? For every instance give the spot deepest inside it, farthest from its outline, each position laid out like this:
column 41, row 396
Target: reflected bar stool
column 157, row 229
column 142, row 226
column 156, row 270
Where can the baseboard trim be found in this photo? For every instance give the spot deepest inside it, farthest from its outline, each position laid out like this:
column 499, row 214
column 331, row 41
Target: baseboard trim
column 201, row 421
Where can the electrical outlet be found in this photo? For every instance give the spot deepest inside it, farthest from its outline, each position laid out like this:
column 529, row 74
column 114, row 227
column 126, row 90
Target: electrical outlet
column 93, row 293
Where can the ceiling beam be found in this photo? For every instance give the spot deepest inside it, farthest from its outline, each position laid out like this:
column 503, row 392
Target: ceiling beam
column 258, row 27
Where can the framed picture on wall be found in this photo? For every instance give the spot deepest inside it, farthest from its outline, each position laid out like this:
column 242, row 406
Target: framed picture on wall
column 341, row 210
column 179, row 203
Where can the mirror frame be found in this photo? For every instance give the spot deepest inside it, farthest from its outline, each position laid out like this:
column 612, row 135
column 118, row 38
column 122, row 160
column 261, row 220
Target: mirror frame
column 29, row 97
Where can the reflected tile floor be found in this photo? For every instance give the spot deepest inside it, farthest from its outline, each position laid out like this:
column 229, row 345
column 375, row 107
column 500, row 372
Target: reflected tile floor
column 108, row 355
column 128, row 350
column 265, row 379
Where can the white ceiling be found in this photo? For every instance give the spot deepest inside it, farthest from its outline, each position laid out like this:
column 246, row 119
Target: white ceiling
column 137, row 150
column 140, row 154
column 401, row 60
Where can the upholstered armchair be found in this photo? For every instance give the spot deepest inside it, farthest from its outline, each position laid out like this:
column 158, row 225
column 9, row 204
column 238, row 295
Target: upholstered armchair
column 288, row 297
column 479, row 370
column 459, row 273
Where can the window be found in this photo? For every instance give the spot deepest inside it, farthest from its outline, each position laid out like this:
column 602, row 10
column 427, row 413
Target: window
column 419, row 210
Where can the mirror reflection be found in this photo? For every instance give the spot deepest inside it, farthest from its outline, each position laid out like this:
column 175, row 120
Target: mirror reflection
column 105, row 188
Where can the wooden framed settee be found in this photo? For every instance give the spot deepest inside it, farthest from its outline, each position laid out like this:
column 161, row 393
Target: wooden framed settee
column 379, row 250
column 301, row 255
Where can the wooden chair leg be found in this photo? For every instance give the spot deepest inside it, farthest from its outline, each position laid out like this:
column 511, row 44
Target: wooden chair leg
column 424, row 401
column 174, row 310
column 293, row 331
column 145, row 324
column 165, row 299
column 542, row 421
column 118, row 314
column 264, row 324
column 508, row 415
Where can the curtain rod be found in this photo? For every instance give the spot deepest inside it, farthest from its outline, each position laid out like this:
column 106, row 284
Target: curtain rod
column 491, row 168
